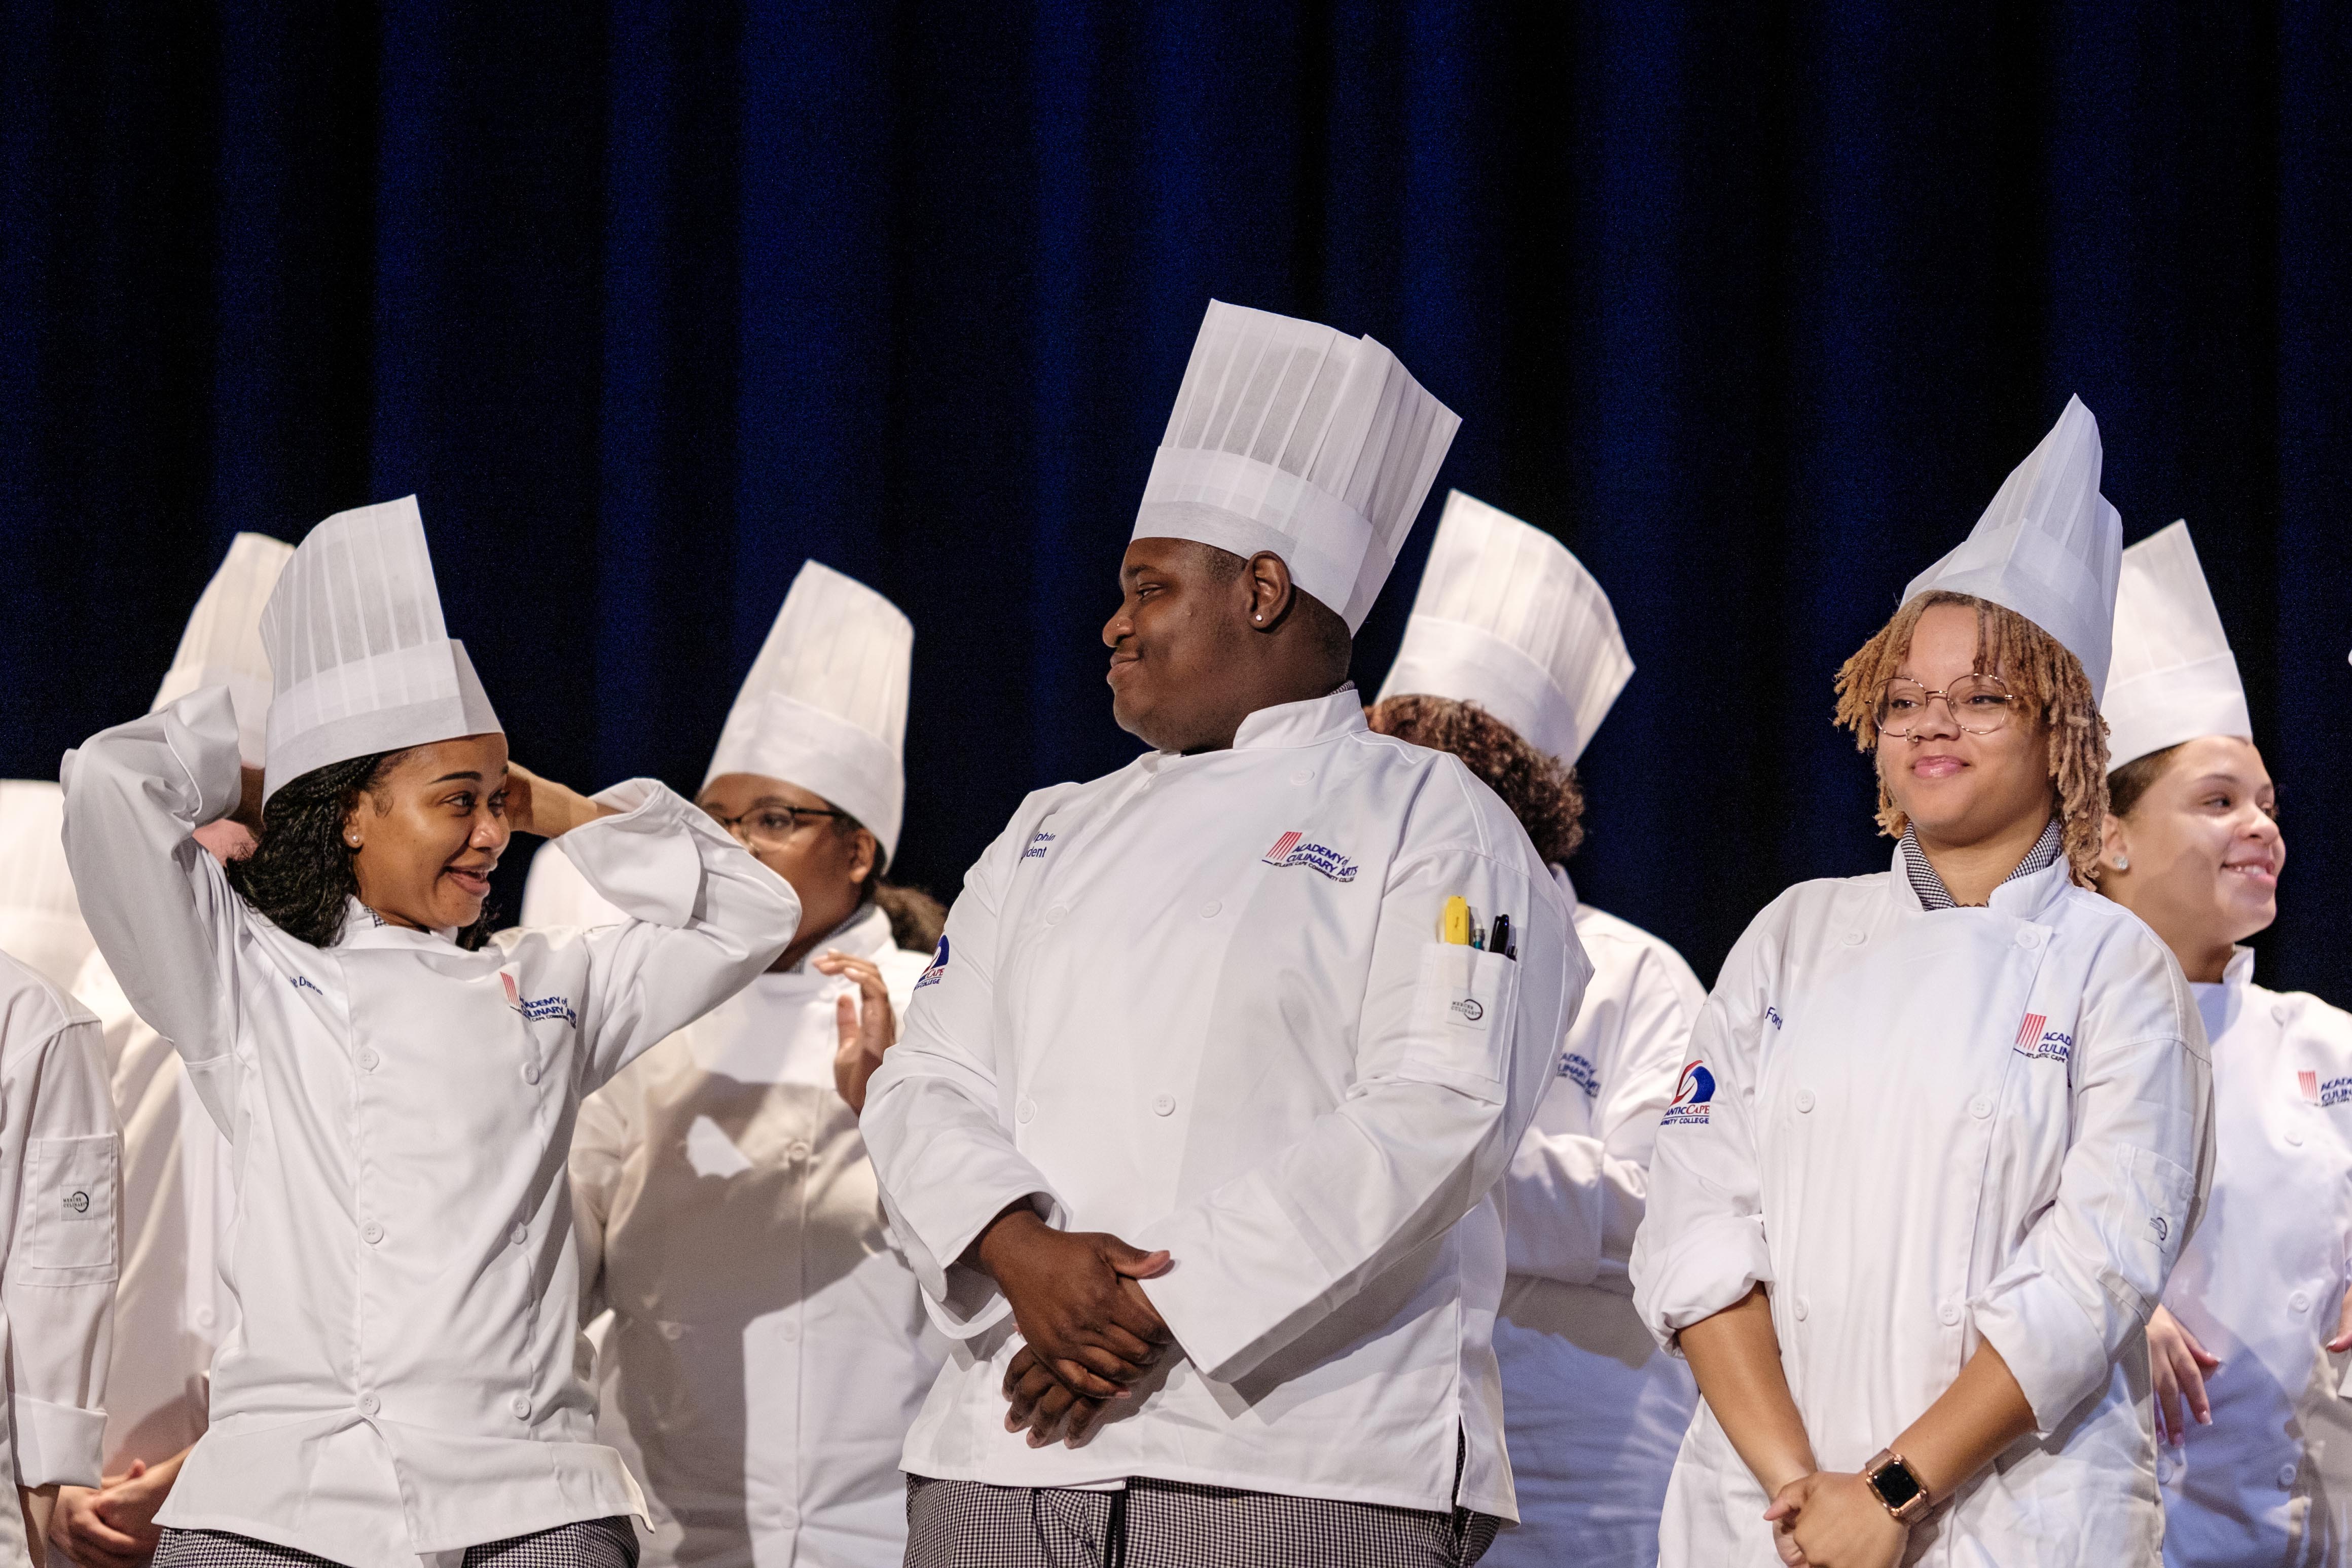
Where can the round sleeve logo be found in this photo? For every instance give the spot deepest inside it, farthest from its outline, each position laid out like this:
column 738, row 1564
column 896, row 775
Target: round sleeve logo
column 1692, row 1092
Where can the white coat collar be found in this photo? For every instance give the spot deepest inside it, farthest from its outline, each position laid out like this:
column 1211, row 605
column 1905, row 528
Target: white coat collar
column 1310, row 722
column 2020, row 898
column 2239, row 970
column 364, row 928
column 865, row 933
column 1567, row 888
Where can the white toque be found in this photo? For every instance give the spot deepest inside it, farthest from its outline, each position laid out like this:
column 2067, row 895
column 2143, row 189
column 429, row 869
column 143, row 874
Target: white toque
column 1290, row 438
column 2174, row 676
column 221, row 645
column 360, row 660
column 1507, row 618
column 2048, row 547
column 825, row 705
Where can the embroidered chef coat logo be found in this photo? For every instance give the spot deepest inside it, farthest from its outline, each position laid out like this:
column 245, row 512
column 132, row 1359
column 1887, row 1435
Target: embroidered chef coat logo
column 302, row 983
column 534, row 1009
column 1469, row 1009
column 77, row 1204
column 2160, row 1227
column 1288, row 849
column 1579, row 1072
column 1696, row 1088
column 2318, row 1090
column 1038, row 844
column 1772, row 1016
column 938, row 967
column 2033, row 1040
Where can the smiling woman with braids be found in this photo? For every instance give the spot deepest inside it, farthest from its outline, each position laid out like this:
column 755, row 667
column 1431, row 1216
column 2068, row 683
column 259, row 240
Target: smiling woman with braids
column 398, row 1092
column 1944, row 1128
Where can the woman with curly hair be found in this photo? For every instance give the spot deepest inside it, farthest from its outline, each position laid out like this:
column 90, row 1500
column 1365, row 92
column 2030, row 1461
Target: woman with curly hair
column 1944, row 1128
column 398, row 1090
column 1511, row 661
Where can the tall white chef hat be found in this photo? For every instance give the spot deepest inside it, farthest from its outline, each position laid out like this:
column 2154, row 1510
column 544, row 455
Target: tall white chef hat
column 222, row 646
column 360, row 659
column 1292, row 439
column 1508, row 618
column 2048, row 547
column 556, row 893
column 825, row 705
column 40, row 918
column 2174, row 677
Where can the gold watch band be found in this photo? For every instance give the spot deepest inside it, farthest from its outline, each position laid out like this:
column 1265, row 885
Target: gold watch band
column 1874, row 1475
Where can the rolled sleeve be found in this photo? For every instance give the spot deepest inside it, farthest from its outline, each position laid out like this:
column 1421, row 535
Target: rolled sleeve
column 56, row 1445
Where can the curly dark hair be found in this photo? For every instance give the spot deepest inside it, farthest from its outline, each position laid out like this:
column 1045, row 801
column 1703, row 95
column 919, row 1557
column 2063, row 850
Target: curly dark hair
column 299, row 873
column 1540, row 789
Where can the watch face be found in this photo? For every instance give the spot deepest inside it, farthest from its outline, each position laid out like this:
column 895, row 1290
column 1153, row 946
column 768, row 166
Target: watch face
column 1893, row 1484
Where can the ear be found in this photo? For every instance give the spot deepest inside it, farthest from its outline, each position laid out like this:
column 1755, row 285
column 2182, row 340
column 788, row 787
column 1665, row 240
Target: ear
column 351, row 832
column 2115, row 847
column 864, row 850
column 1271, row 595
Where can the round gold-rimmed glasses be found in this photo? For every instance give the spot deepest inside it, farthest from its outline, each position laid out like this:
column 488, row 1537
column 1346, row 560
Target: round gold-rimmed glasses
column 770, row 826
column 1977, row 704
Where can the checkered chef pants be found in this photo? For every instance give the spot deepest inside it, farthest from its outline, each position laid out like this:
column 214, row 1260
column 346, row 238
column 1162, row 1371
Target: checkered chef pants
column 1176, row 1524
column 588, row 1543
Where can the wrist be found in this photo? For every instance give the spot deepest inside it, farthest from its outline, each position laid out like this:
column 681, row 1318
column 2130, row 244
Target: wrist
column 1007, row 1231
column 1897, row 1485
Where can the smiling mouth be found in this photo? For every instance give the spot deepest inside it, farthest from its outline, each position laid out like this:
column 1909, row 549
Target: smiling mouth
column 471, row 879
column 2259, row 873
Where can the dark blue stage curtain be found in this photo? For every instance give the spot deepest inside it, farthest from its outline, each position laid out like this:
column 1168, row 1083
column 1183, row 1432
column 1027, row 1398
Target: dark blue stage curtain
column 1753, row 307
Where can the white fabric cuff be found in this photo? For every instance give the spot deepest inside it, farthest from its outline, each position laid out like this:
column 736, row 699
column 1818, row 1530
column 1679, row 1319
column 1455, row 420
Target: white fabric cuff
column 644, row 860
column 2051, row 1346
column 1710, row 1269
column 58, row 1443
column 964, row 1302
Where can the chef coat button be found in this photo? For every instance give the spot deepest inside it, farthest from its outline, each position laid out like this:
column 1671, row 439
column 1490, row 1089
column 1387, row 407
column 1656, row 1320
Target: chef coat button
column 519, row 1234
column 791, row 1331
column 1980, row 1107
column 1853, row 938
column 531, row 1073
column 519, row 1405
column 1163, row 1104
column 204, row 1317
column 368, row 1059
column 2294, row 1136
column 1209, row 910
column 798, row 1149
column 788, row 1517
column 2278, row 1012
column 1054, row 915
column 2300, row 1301
column 2286, row 1476
column 2029, row 936
column 1302, row 776
column 1803, row 1309
column 372, row 1232
column 1026, row 1109
column 671, row 1331
column 1950, row 1315
column 1804, row 1098
column 369, row 1405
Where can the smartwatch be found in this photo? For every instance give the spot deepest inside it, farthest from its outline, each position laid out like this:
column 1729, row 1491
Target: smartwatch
column 1897, row 1486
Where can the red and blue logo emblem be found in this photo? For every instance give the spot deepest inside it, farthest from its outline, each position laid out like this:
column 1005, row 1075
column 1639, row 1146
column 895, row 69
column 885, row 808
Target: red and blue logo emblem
column 1692, row 1092
column 938, row 967
column 1289, row 850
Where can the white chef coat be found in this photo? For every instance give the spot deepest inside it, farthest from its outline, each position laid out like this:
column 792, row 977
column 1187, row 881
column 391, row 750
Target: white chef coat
column 400, row 1379
column 769, row 1345
column 2260, row 1285
column 171, row 1306
column 1594, row 1408
column 1921, row 1131
column 60, row 1188
column 1202, row 1003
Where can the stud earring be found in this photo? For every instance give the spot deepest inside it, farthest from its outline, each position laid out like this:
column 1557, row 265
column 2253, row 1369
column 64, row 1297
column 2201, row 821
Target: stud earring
column 2122, row 862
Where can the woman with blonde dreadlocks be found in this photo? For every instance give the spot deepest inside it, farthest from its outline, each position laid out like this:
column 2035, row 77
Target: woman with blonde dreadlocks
column 1944, row 1128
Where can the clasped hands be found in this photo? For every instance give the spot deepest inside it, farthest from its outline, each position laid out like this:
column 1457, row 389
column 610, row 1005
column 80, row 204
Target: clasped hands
column 1092, row 1333
column 1831, row 1518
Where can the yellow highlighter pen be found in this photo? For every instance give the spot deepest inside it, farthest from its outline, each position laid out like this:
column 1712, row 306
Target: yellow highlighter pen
column 1454, row 926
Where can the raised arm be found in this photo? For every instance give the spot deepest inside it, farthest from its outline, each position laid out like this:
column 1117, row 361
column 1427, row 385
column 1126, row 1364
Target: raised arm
column 1455, row 1047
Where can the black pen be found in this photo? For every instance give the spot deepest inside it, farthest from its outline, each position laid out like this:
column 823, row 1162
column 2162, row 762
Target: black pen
column 1500, row 940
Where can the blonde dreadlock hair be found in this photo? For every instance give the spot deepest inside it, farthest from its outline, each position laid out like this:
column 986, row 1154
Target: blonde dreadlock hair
column 2050, row 686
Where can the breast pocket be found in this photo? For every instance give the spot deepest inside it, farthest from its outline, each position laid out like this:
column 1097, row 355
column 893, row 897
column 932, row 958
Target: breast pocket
column 1463, row 1006
column 70, row 1203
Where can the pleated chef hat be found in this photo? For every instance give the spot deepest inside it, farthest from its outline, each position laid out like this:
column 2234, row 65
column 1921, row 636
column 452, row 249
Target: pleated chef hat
column 222, row 646
column 40, row 918
column 2174, row 677
column 825, row 705
column 2049, row 546
column 1289, row 438
column 360, row 659
column 1508, row 618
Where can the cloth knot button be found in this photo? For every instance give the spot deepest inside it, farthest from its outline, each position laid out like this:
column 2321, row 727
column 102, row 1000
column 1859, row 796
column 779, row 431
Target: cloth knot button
column 1853, row 938
column 1804, row 1098
column 798, row 1149
column 519, row 1405
column 204, row 1317
column 2286, row 1475
column 1803, row 1309
column 521, row 1233
column 1054, row 915
column 2030, row 937
column 1980, row 1107
column 368, row 1059
column 1163, row 1104
column 369, row 1405
column 531, row 1073
column 1209, row 910
column 1026, row 1109
column 792, row 1331
column 1950, row 1315
column 788, row 1517
column 2300, row 1301
column 2294, row 1136
column 372, row 1233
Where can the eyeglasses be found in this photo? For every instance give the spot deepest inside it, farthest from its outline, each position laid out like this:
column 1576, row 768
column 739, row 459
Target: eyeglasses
column 1977, row 704
column 769, row 827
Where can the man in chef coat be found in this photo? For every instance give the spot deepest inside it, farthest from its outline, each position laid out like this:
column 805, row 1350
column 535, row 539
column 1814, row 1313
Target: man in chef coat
column 172, row 1308
column 767, row 1345
column 1192, row 1134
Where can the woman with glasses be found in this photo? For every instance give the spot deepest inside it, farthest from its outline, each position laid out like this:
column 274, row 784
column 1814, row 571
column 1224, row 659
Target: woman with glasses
column 1942, row 1132
column 768, row 1347
column 2248, row 1351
